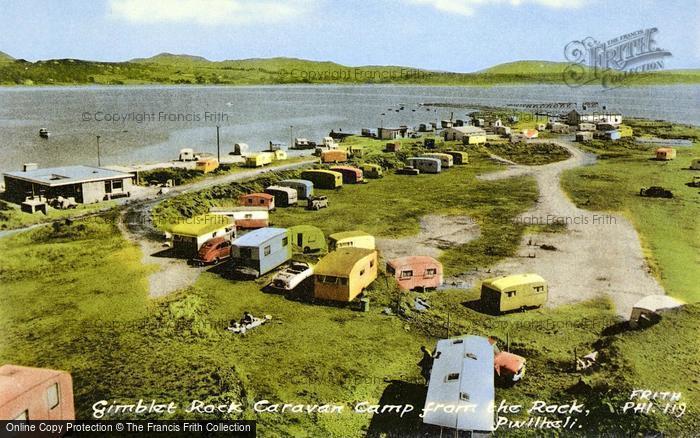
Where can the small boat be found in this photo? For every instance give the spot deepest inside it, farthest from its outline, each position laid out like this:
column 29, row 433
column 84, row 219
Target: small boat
column 44, row 133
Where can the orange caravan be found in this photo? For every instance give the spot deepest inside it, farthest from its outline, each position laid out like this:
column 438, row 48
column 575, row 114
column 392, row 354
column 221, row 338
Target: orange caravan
column 416, row 272
column 258, row 200
column 665, row 154
column 35, row 394
column 334, row 156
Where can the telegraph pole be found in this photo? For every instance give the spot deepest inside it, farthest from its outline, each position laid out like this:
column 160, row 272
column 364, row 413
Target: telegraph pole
column 98, row 151
column 291, row 136
column 218, row 148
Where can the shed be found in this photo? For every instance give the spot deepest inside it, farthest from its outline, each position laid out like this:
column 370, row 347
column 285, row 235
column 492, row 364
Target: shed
column 461, row 389
column 459, row 157
column 612, row 135
column 308, row 239
column 425, row 164
column 392, row 147
column 388, row 133
column 584, row 136
column 261, row 251
column 258, row 200
column 85, row 184
column 648, row 309
column 323, row 179
column 351, row 175
column 373, row 171
column 665, row 154
column 416, row 272
column 356, row 239
column 245, row 218
column 334, row 156
column 343, row 274
column 284, row 196
column 190, row 234
column 35, row 394
column 304, row 188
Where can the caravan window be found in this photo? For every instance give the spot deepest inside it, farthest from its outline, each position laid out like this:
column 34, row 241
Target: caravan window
column 464, row 396
column 390, row 270
column 406, row 274
column 538, row 289
column 24, row 416
column 343, row 281
column 285, row 242
column 430, row 272
column 452, row 377
column 267, row 250
column 510, row 293
column 52, row 395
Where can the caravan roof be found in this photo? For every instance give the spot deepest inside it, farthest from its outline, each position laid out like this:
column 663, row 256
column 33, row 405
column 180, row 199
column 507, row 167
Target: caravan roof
column 258, row 237
column 462, row 382
column 508, row 281
column 200, row 225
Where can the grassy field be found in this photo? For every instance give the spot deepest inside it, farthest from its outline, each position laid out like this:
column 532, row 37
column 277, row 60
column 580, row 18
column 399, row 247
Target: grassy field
column 668, row 228
column 66, row 306
column 531, row 154
column 11, row 216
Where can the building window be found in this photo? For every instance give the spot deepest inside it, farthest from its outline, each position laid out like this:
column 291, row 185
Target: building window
column 267, row 250
column 52, row 395
column 117, row 184
column 452, row 377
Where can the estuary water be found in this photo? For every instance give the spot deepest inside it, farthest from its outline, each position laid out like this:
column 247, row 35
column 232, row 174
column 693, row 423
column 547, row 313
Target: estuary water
column 145, row 124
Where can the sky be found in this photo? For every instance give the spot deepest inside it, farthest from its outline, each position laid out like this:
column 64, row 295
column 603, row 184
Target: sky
column 451, row 35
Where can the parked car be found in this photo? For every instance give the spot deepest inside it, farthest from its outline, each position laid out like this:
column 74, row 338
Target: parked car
column 317, row 202
column 291, row 276
column 655, row 192
column 695, row 182
column 408, row 170
column 214, row 251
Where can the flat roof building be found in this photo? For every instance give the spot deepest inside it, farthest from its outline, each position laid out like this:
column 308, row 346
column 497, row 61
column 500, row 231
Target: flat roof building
column 84, row 183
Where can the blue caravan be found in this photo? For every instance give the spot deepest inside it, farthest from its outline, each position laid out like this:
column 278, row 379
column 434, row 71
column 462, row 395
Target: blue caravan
column 260, row 251
column 304, row 188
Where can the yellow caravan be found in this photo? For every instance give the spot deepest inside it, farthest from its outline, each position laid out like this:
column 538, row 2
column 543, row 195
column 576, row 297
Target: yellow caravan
column 208, row 164
column 258, row 160
column 279, row 155
column 446, row 160
column 513, row 292
column 625, row 131
column 356, row 239
column 343, row 274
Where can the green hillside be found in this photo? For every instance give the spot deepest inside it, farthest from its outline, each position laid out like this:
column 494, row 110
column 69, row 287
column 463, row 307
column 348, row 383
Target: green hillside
column 4, row 57
column 167, row 68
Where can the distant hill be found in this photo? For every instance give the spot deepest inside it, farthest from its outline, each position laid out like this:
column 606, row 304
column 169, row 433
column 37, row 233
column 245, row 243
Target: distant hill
column 527, row 67
column 4, row 57
column 170, row 58
column 168, row 68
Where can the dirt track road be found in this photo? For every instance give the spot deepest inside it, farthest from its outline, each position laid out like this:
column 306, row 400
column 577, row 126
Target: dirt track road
column 598, row 254
column 172, row 273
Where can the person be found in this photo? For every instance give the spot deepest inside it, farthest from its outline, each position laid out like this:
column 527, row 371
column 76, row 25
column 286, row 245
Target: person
column 426, row 363
column 247, row 318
